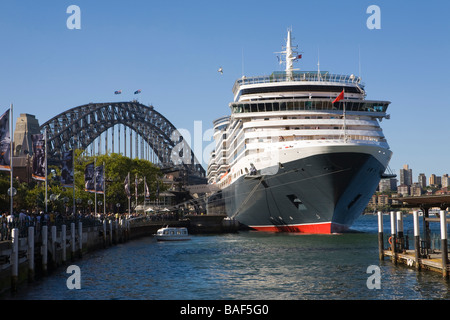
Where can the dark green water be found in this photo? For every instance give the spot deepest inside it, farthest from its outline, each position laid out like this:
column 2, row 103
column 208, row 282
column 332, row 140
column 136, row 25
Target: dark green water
column 247, row 265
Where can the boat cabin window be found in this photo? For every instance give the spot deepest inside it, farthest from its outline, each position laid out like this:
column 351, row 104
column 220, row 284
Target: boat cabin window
column 364, row 106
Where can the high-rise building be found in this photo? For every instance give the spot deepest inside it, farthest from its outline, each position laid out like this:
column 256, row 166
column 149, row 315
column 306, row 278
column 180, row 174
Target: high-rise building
column 432, row 180
column 445, row 181
column 422, row 179
column 406, row 176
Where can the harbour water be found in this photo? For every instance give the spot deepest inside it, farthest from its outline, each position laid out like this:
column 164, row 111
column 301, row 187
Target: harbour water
column 243, row 266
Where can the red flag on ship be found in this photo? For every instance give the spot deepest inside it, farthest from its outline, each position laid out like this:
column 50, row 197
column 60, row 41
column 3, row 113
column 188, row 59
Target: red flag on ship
column 339, row 97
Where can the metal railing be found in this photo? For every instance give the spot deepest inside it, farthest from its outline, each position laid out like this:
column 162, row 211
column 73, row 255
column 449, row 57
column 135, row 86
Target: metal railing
column 300, row 77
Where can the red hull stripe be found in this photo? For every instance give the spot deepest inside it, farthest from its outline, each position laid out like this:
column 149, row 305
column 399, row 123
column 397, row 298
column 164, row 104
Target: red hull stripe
column 319, row 228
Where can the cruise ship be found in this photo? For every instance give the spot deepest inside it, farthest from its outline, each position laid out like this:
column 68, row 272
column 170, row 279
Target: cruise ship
column 302, row 151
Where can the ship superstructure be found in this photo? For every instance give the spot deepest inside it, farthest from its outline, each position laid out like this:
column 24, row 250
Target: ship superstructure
column 301, row 151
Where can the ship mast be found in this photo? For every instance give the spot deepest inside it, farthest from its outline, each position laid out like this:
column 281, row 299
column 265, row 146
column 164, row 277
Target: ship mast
column 290, row 57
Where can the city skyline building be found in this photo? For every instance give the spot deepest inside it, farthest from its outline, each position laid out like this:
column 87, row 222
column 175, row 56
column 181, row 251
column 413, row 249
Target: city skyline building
column 406, row 176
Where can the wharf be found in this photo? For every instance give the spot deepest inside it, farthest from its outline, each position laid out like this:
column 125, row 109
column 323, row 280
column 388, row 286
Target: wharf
column 432, row 261
column 422, row 257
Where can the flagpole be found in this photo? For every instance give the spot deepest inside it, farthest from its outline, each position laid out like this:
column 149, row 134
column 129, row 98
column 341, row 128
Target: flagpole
column 46, row 183
column 95, row 187
column 135, row 191
column 145, row 183
column 345, row 117
column 11, row 137
column 104, row 189
column 129, row 198
column 73, row 170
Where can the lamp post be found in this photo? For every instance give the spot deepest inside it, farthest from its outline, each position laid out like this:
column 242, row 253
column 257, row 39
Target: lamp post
column 11, row 193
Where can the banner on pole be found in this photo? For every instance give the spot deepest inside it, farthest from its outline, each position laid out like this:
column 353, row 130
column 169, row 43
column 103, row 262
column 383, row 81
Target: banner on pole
column 93, row 178
column 38, row 141
column 127, row 187
column 5, row 142
column 67, row 179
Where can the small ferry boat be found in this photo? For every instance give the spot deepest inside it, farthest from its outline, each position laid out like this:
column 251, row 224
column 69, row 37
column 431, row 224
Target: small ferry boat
column 172, row 234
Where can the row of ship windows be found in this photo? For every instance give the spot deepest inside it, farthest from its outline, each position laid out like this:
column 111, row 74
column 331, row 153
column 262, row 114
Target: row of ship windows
column 223, row 148
column 309, row 105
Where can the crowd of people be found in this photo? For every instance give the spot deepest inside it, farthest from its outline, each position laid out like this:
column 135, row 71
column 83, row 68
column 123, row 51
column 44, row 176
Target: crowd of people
column 25, row 218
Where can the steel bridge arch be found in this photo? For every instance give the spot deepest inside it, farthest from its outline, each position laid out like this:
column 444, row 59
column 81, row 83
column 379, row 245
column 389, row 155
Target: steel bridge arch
column 80, row 126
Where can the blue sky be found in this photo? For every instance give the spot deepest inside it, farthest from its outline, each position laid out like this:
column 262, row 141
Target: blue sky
column 171, row 50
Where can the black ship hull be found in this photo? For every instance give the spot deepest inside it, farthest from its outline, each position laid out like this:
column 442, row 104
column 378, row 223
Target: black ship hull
column 323, row 193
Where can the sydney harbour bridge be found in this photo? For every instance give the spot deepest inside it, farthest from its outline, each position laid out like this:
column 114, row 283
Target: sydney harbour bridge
column 155, row 138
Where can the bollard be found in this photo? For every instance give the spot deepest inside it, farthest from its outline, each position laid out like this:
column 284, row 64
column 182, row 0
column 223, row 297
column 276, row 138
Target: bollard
column 72, row 241
column 53, row 246
column 14, row 259
column 393, row 238
column 80, row 236
column 30, row 254
column 63, row 243
column 128, row 228
column 400, row 238
column 380, row 236
column 44, row 249
column 443, row 217
column 417, row 239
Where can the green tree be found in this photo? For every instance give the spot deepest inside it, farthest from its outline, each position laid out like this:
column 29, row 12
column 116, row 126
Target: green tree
column 32, row 196
column 117, row 168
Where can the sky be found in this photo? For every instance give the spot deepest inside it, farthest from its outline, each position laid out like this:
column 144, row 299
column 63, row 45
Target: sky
column 171, row 50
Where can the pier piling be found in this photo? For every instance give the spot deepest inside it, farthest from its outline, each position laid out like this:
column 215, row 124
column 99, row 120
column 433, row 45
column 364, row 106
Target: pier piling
column 380, row 235
column 416, row 239
column 400, row 239
column 72, row 241
column 44, row 249
column 30, row 254
column 53, row 246
column 110, row 233
column 14, row 259
column 393, row 238
column 443, row 220
column 63, row 243
column 80, row 237
column 104, row 233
